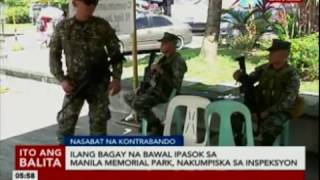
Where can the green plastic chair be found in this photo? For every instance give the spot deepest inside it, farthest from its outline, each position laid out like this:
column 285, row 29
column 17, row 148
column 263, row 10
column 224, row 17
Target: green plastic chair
column 225, row 108
column 144, row 122
column 283, row 138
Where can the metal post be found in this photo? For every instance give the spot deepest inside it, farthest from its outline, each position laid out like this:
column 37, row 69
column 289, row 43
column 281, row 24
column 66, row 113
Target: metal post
column 134, row 46
column 2, row 23
column 2, row 18
column 15, row 28
column 134, row 51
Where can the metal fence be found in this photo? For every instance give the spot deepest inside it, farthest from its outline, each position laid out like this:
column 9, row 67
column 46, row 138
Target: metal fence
column 2, row 21
column 2, row 18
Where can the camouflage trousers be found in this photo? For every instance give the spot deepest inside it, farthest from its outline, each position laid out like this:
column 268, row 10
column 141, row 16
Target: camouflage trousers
column 98, row 100
column 270, row 127
column 143, row 104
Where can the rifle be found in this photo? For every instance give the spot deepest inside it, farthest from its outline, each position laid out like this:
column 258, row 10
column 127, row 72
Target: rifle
column 247, row 88
column 145, row 83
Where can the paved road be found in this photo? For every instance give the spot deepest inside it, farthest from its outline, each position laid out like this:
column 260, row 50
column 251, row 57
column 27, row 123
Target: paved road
column 28, row 105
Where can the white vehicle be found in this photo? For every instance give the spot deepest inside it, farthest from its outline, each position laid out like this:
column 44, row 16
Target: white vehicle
column 150, row 28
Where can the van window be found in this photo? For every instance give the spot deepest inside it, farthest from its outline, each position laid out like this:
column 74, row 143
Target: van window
column 159, row 21
column 142, row 23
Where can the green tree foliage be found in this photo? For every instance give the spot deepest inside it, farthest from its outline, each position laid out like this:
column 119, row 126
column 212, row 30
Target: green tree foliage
column 17, row 10
column 252, row 23
column 13, row 3
column 63, row 4
column 297, row 20
column 305, row 56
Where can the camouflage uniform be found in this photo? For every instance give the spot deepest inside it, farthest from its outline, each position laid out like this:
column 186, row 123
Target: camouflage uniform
column 276, row 94
column 84, row 44
column 173, row 68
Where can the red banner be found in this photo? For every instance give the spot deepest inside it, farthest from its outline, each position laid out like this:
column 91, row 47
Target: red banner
column 49, row 162
column 40, row 157
column 176, row 175
column 285, row 1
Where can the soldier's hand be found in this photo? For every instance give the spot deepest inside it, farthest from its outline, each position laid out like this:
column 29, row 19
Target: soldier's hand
column 264, row 114
column 115, row 87
column 67, row 86
column 136, row 90
column 237, row 74
column 156, row 68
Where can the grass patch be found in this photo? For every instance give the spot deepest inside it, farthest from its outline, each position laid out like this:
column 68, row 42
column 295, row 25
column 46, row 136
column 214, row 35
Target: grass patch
column 219, row 71
column 17, row 47
column 312, row 86
column 3, row 90
column 254, row 57
column 187, row 54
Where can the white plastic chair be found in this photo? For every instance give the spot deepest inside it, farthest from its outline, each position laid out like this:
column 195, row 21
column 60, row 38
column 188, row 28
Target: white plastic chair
column 144, row 122
column 193, row 103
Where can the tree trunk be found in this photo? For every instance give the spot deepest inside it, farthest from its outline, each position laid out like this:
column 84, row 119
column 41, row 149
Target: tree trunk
column 211, row 37
column 314, row 17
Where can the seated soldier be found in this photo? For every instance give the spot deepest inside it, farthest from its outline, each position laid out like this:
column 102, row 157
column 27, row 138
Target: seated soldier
column 167, row 74
column 276, row 92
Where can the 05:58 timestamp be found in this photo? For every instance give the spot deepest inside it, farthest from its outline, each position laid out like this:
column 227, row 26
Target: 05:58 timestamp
column 25, row 175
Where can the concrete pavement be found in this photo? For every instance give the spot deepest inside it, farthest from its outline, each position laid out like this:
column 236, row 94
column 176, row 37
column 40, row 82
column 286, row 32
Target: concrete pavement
column 28, row 105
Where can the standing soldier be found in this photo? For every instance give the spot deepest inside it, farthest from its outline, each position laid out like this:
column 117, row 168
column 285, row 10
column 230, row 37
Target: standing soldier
column 87, row 42
column 167, row 74
column 276, row 93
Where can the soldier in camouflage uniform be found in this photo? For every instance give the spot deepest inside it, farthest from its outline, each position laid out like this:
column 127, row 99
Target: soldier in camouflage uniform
column 168, row 72
column 276, row 92
column 87, row 42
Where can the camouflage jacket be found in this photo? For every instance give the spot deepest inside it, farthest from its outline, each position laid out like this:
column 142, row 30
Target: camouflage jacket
column 84, row 44
column 174, row 68
column 277, row 90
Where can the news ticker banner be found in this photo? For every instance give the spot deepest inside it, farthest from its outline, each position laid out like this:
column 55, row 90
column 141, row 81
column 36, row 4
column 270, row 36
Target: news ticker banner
column 73, row 161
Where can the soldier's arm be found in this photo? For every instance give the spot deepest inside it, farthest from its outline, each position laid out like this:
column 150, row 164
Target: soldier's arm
column 288, row 97
column 113, row 47
column 55, row 55
column 179, row 69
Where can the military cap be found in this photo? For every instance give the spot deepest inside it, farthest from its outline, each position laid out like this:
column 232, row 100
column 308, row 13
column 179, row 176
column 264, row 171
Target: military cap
column 278, row 44
column 169, row 37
